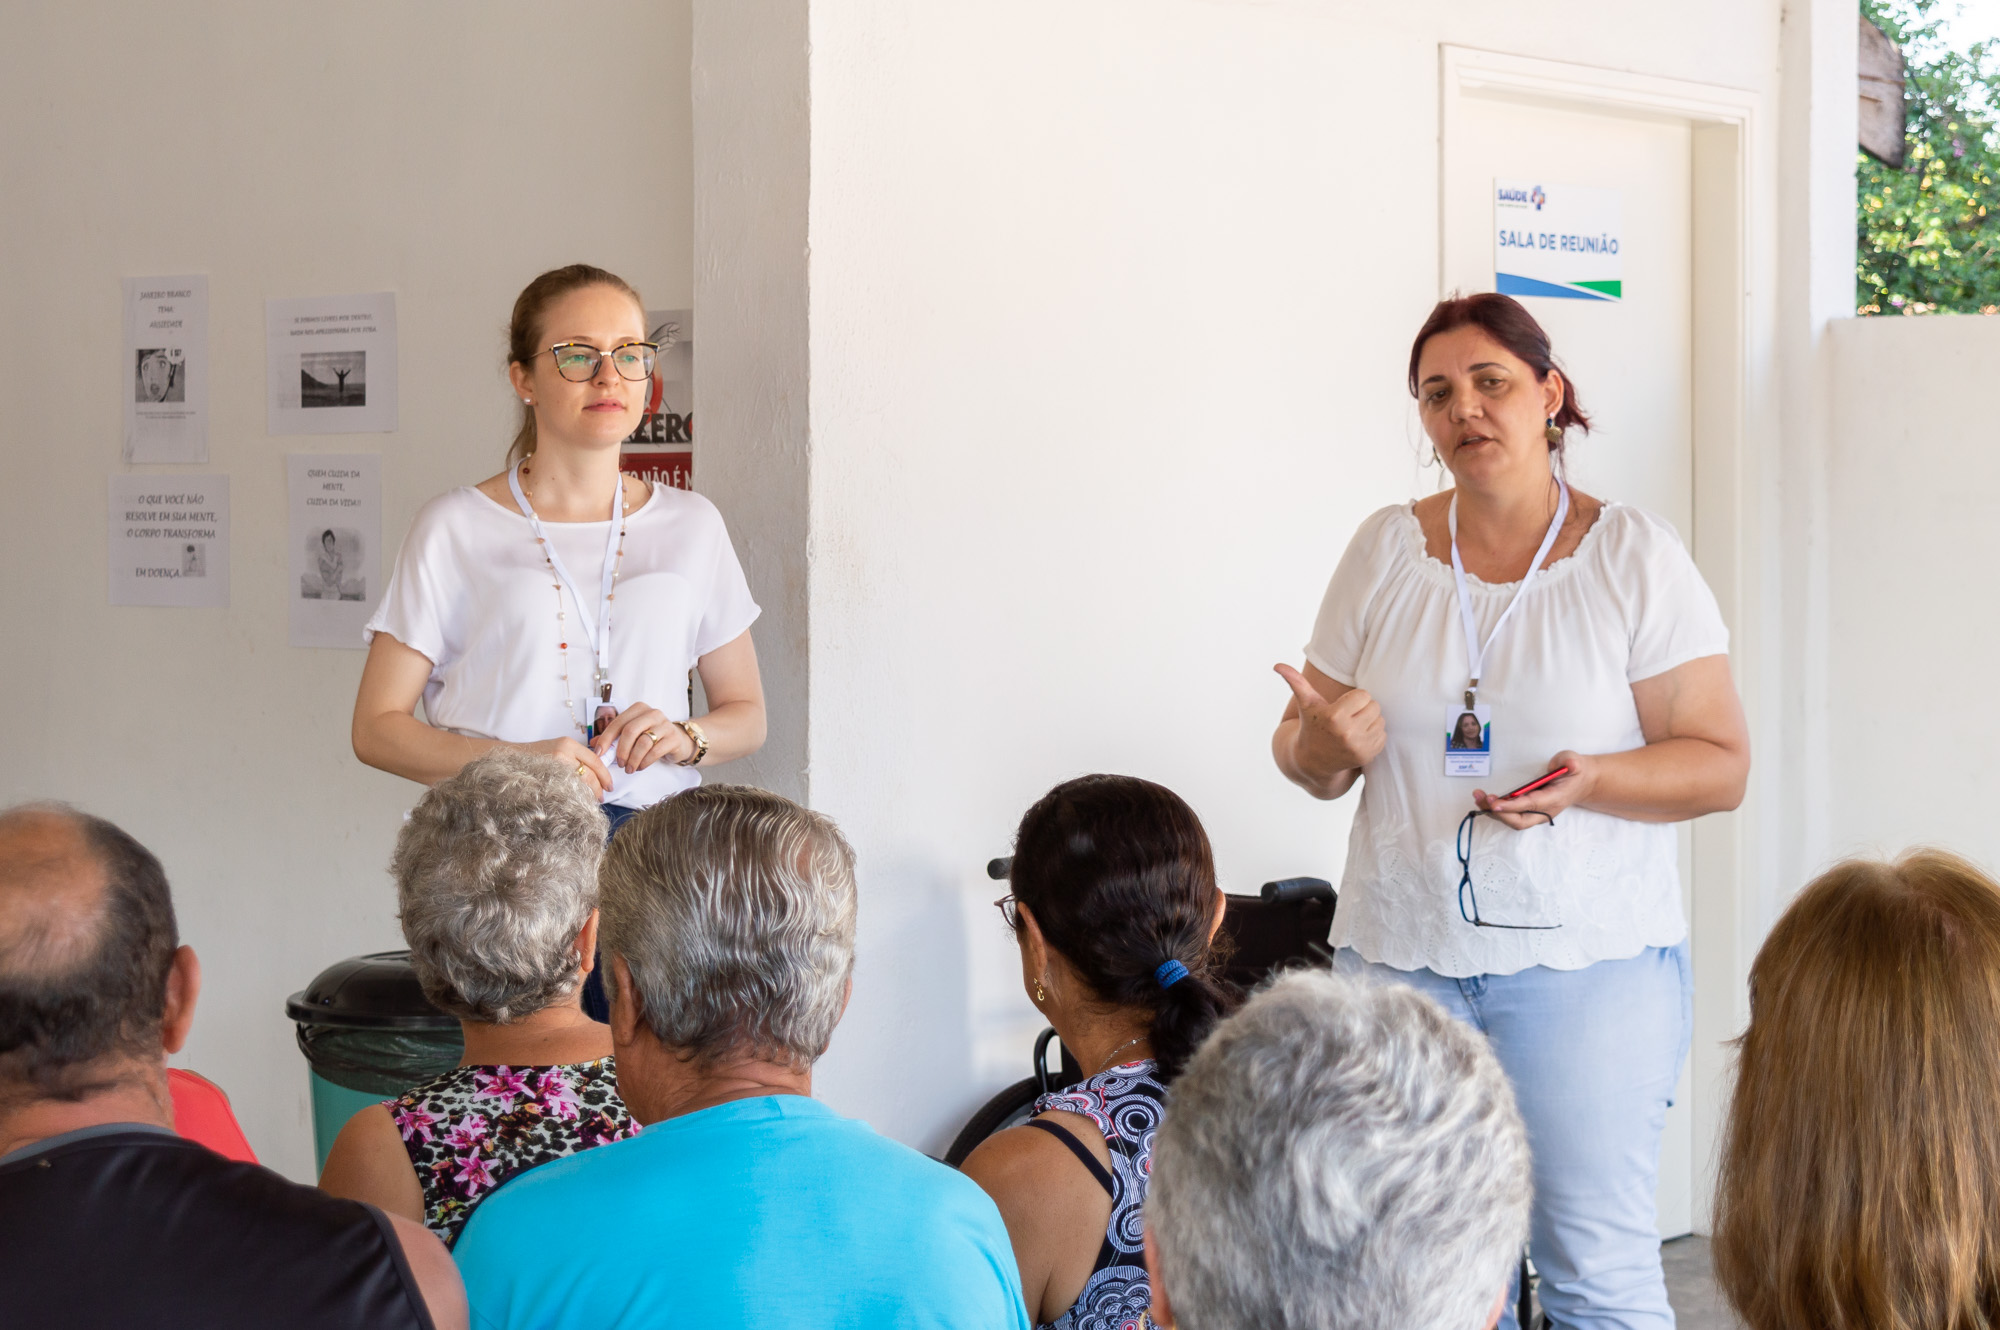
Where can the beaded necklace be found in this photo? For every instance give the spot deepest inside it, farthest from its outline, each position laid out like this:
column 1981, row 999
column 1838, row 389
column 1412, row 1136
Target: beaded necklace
column 614, row 556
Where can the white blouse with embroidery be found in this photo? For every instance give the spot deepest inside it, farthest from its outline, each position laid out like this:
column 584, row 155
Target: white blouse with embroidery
column 1629, row 604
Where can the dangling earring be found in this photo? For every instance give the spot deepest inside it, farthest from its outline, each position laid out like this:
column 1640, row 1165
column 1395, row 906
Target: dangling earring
column 1040, row 996
column 1553, row 433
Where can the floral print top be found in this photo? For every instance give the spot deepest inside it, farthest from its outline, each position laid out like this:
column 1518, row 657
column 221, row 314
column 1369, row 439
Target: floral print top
column 472, row 1128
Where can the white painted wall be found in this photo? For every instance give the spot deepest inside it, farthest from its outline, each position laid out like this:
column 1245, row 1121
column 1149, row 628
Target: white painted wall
column 284, row 151
column 751, row 173
column 1109, row 310
column 1815, row 284
column 1050, row 355
column 1914, row 535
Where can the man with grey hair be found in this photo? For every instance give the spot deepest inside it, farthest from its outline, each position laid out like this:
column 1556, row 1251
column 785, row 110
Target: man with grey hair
column 1338, row 1157
column 107, row 1217
column 728, row 936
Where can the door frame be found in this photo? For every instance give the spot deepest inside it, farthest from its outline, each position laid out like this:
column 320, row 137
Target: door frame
column 1723, row 124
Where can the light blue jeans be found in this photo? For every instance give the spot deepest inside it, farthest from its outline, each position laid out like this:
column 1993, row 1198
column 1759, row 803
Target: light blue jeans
column 1593, row 1055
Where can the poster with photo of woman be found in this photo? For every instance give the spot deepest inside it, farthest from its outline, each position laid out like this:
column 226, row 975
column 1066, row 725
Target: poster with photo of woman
column 335, row 539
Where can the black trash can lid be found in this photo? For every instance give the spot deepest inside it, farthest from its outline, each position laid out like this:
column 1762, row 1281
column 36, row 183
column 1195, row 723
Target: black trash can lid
column 375, row 992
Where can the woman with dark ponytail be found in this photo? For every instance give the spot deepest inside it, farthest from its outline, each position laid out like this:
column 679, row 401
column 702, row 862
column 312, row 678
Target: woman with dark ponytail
column 1115, row 909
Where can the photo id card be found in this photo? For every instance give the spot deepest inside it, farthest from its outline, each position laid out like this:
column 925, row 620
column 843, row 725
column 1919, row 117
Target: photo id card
column 1468, row 742
column 602, row 712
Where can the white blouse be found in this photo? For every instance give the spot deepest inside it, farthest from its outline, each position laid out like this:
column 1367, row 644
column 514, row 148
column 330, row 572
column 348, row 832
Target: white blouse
column 472, row 592
column 1627, row 605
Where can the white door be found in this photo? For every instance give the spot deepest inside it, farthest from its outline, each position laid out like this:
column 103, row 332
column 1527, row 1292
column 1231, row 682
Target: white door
column 1631, row 360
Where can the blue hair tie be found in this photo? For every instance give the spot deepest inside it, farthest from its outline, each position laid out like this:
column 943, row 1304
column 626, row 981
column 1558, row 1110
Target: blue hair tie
column 1170, row 973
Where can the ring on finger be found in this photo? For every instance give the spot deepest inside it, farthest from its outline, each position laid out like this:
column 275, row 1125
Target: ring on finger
column 654, row 735
column 582, row 770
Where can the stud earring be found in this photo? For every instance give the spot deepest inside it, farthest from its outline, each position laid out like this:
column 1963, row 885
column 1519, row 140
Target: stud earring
column 1553, row 433
column 527, row 401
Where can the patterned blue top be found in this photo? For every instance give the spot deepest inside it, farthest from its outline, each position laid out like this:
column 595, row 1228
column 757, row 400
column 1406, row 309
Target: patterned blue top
column 1126, row 1103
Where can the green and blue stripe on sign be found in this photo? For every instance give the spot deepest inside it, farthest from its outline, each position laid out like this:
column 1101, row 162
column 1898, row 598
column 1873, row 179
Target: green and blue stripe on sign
column 1513, row 284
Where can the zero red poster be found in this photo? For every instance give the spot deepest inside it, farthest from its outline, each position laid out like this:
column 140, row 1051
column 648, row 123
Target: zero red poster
column 662, row 447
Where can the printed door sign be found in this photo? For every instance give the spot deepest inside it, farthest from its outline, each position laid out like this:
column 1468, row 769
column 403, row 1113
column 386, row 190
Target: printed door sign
column 1557, row 240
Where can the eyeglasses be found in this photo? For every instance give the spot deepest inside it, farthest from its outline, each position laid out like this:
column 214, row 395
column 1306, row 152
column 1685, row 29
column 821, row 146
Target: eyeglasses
column 1010, row 910
column 1466, row 893
column 578, row 361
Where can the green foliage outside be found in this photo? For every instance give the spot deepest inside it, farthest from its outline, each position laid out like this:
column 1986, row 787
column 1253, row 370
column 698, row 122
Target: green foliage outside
column 1930, row 232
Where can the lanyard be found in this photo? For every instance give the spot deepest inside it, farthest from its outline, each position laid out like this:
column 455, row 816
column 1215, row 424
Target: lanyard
column 1475, row 652
column 597, row 624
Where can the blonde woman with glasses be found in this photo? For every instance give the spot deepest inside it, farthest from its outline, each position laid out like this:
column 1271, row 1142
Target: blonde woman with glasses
column 521, row 608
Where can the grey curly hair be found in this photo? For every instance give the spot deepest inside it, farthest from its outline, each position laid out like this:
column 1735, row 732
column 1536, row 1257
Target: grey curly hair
column 1339, row 1154
column 496, row 874
column 734, row 910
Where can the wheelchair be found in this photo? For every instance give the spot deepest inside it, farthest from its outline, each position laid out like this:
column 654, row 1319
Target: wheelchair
column 1286, row 924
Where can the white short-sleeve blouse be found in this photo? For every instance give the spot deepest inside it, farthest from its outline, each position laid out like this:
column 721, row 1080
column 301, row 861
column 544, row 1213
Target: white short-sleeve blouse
column 1627, row 605
column 471, row 592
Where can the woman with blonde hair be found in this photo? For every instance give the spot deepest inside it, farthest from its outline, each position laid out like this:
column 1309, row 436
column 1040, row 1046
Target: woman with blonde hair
column 1860, row 1183
column 524, row 608
column 562, row 605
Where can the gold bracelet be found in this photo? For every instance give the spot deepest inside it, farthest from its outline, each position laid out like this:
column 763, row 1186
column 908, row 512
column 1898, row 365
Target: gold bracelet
column 695, row 737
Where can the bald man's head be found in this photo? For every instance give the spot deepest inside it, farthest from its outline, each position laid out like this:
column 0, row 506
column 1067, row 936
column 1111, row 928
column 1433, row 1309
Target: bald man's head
column 86, row 940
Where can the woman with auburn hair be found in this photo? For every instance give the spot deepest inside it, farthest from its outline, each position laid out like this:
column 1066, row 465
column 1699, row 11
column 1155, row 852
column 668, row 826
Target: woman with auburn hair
column 1528, row 685
column 1860, row 1182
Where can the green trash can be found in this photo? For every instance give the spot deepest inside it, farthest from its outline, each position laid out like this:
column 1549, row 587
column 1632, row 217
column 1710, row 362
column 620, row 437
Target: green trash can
column 368, row 1034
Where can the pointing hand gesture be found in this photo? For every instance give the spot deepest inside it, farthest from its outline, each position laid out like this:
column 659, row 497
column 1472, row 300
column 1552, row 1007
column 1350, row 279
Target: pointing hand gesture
column 1341, row 734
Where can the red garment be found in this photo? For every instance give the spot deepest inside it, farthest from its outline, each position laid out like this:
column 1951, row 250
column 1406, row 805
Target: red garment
column 201, row 1114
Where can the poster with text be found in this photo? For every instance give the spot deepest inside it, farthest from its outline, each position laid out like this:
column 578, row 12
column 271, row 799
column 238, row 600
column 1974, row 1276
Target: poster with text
column 170, row 540
column 164, row 379
column 1557, row 240
column 330, row 364
column 662, row 447
column 335, row 538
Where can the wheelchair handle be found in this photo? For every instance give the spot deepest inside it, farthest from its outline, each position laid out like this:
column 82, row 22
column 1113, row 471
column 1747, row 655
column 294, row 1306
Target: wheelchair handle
column 1288, row 889
column 998, row 869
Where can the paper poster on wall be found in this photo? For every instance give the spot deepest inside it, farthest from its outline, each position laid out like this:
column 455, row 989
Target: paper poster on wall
column 662, row 447
column 1556, row 240
column 330, row 364
column 170, row 540
column 335, row 540
column 164, row 377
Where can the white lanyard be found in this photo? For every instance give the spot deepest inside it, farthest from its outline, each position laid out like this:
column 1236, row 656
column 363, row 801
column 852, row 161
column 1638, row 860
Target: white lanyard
column 1475, row 652
column 598, row 624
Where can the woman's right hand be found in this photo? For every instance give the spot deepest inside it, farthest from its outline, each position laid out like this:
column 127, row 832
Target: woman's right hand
column 590, row 767
column 1340, row 734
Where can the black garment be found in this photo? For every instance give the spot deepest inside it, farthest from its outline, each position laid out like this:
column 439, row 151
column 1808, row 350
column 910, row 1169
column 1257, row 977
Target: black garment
column 139, row 1227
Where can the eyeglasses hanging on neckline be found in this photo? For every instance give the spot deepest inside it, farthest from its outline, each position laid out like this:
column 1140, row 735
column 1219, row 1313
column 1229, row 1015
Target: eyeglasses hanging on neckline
column 1466, row 891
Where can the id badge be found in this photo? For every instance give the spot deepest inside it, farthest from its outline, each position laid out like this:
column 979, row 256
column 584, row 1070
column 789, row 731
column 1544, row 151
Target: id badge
column 1468, row 741
column 601, row 716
